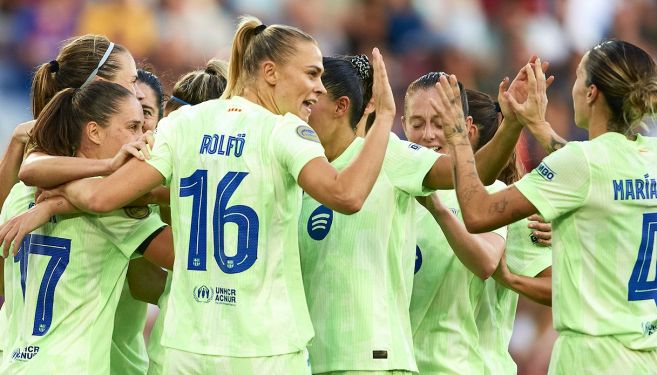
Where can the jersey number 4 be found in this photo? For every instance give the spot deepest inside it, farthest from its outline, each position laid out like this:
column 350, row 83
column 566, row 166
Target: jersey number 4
column 639, row 287
column 59, row 250
column 246, row 219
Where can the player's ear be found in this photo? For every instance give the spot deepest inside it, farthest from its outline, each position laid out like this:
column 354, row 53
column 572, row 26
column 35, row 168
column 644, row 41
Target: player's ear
column 94, row 132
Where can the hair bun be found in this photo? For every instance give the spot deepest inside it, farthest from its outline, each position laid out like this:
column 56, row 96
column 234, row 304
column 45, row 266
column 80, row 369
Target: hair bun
column 362, row 65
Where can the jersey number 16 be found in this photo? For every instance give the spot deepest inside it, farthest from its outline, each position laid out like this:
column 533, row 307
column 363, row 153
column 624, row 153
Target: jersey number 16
column 244, row 217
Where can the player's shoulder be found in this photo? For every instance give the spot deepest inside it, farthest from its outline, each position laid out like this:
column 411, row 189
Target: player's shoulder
column 20, row 199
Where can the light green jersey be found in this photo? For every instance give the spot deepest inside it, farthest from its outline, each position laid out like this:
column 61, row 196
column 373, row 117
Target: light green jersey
column 3, row 331
column 155, row 348
column 446, row 298
column 70, row 272
column 498, row 307
column 601, row 197
column 128, row 355
column 232, row 168
column 358, row 269
column 13, row 304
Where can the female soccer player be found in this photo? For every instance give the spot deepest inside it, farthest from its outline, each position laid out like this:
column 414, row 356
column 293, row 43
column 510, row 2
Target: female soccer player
column 525, row 268
column 67, row 275
column 153, row 101
column 81, row 60
column 128, row 355
column 357, row 268
column 242, row 309
column 597, row 193
column 198, row 86
column 192, row 88
column 451, row 265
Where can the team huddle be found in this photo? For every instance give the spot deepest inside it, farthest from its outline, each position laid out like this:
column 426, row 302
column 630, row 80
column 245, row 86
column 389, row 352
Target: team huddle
column 283, row 229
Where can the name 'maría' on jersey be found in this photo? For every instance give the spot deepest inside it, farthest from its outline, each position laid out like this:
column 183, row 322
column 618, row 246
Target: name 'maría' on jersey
column 634, row 189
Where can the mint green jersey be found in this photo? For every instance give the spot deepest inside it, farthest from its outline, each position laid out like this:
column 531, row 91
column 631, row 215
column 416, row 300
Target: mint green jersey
column 446, row 298
column 155, row 348
column 601, row 197
column 128, row 355
column 232, row 167
column 67, row 278
column 358, row 269
column 13, row 304
column 498, row 307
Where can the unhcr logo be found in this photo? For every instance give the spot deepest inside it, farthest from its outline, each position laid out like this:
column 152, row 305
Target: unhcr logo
column 203, row 294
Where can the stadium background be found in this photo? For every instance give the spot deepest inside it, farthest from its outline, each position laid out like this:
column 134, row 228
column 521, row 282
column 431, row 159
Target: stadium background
column 480, row 41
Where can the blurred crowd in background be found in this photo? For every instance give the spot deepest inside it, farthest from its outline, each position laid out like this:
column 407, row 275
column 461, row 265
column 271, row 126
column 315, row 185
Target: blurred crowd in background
column 481, row 41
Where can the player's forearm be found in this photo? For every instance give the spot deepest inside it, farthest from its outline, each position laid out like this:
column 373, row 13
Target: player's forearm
column 99, row 195
column 9, row 167
column 538, row 289
column 47, row 171
column 479, row 255
column 470, row 191
column 546, row 136
column 494, row 156
column 357, row 179
column 159, row 196
column 59, row 206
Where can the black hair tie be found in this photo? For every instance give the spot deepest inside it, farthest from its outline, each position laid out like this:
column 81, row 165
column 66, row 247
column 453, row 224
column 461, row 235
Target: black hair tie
column 497, row 107
column 53, row 66
column 260, row 28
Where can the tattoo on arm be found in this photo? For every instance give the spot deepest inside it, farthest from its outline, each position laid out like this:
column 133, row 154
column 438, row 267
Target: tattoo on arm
column 498, row 207
column 556, row 143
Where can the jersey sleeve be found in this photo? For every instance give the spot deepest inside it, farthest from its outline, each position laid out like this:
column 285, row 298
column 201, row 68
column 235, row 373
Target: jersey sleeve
column 560, row 183
column 523, row 256
column 162, row 154
column 294, row 144
column 406, row 164
column 128, row 227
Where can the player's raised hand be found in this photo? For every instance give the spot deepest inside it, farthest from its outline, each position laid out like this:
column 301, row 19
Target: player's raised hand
column 532, row 110
column 448, row 108
column 384, row 102
column 518, row 88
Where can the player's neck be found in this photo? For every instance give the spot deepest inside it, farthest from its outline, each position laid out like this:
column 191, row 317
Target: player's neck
column 336, row 142
column 598, row 123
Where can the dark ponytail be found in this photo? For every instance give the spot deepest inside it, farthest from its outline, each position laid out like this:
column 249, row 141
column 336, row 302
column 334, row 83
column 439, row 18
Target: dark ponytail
column 58, row 129
column 349, row 76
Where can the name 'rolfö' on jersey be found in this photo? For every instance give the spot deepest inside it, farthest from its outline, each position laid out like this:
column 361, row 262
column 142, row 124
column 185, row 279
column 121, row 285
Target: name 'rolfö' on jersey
column 220, row 144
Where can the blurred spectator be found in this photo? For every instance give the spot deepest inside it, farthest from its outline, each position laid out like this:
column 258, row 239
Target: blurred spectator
column 130, row 23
